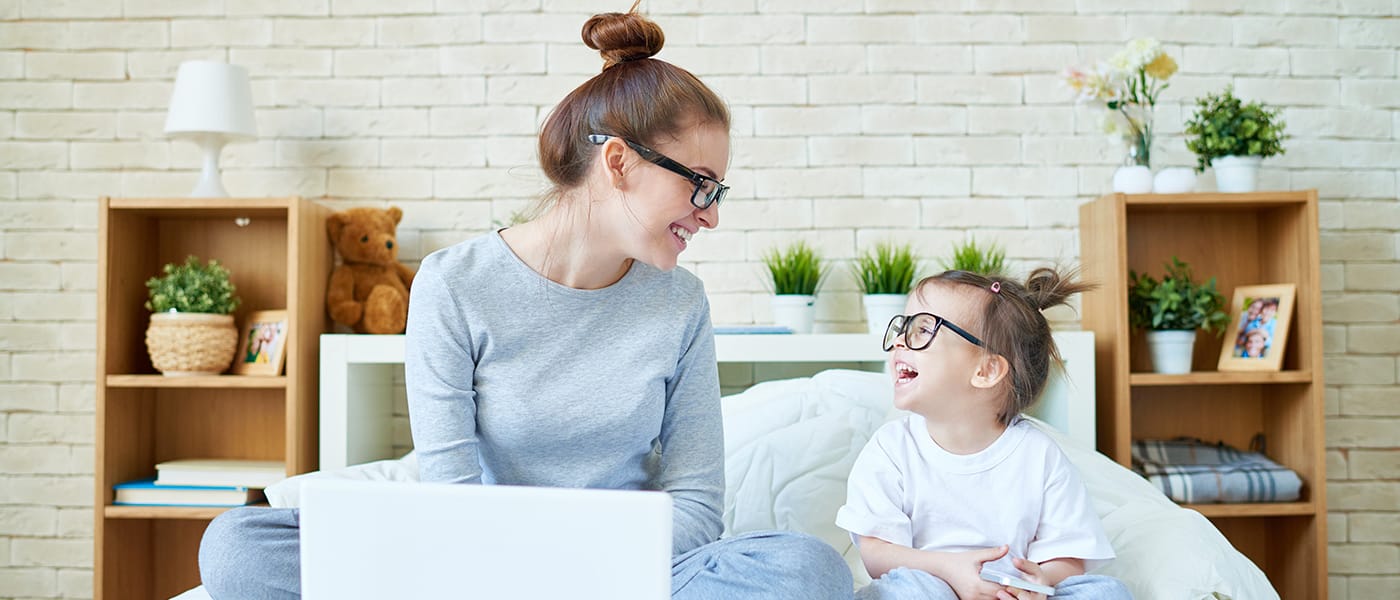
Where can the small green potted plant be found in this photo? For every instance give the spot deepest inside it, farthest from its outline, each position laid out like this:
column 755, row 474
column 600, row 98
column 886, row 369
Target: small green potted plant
column 796, row 272
column 885, row 274
column 989, row 260
column 1233, row 137
column 191, row 330
column 1170, row 311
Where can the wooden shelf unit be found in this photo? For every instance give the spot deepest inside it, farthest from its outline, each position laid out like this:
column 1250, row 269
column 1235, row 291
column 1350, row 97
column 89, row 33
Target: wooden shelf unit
column 279, row 258
column 1240, row 239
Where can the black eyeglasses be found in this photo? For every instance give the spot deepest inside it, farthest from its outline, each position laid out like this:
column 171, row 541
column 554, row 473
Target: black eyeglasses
column 919, row 330
column 708, row 190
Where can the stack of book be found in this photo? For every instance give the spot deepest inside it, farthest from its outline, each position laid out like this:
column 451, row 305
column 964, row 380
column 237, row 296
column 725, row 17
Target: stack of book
column 202, row 482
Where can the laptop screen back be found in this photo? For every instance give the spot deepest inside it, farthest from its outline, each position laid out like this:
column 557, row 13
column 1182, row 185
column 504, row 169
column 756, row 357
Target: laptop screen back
column 376, row 540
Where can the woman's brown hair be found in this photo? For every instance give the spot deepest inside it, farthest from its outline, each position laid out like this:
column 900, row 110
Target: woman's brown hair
column 1012, row 326
column 636, row 97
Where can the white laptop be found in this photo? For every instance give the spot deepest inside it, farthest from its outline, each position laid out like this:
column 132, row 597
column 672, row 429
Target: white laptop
column 377, row 540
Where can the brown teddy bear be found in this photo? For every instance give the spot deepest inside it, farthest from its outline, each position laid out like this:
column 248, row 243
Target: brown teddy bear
column 369, row 290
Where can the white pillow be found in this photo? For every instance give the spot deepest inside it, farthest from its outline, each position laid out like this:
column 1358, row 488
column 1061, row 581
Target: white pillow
column 789, row 447
column 287, row 493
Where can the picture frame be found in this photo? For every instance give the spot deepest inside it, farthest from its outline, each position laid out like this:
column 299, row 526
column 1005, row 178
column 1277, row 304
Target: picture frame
column 1260, row 317
column 262, row 343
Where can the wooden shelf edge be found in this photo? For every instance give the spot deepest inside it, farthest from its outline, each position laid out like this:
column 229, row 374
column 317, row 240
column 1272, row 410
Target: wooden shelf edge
column 202, row 203
column 166, row 512
column 209, row 381
column 1261, row 509
column 1221, row 378
column 1262, row 198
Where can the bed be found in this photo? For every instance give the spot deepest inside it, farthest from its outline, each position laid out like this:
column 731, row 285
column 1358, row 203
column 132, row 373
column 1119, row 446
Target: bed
column 789, row 443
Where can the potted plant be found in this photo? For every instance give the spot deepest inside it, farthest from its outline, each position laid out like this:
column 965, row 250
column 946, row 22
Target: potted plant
column 885, row 274
column 987, row 260
column 1171, row 310
column 796, row 273
column 1233, row 137
column 191, row 330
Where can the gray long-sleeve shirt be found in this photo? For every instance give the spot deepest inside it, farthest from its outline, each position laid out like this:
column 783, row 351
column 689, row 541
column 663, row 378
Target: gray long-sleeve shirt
column 514, row 379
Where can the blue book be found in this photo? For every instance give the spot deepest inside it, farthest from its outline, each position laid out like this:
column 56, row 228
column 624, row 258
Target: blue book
column 146, row 492
column 752, row 330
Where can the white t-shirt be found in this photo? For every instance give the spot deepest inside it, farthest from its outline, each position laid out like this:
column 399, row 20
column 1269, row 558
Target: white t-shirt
column 1020, row 491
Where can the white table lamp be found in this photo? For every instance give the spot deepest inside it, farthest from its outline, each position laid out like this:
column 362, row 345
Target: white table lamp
column 212, row 105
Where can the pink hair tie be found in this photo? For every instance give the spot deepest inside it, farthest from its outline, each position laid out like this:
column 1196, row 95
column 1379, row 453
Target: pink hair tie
column 996, row 287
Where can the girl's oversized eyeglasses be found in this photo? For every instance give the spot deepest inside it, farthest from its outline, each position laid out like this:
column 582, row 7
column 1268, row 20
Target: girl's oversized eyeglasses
column 919, row 329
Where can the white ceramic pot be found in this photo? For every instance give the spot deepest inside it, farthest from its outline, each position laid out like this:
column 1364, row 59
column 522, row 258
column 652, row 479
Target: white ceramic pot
column 1135, row 179
column 796, row 312
column 1171, row 350
column 880, row 308
column 1236, row 173
column 1176, row 180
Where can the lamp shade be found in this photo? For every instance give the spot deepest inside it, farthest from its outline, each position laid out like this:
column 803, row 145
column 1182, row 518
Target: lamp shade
column 211, row 98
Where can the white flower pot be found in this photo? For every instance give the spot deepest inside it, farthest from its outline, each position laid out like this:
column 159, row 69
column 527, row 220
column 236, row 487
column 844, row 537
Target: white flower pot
column 1236, row 173
column 796, row 312
column 880, row 308
column 1176, row 180
column 1135, row 179
column 1171, row 350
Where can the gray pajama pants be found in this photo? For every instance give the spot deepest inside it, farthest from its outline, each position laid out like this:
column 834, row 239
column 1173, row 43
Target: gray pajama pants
column 254, row 552
column 913, row 584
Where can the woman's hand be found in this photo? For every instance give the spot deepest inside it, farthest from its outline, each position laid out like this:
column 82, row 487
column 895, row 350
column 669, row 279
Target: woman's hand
column 1030, row 572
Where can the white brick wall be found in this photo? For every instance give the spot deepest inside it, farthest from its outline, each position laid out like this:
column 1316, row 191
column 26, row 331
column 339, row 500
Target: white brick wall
column 854, row 123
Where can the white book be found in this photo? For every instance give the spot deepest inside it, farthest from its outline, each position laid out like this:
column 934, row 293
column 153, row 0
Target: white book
column 221, row 472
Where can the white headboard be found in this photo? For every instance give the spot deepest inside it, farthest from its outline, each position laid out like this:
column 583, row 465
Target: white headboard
column 357, row 378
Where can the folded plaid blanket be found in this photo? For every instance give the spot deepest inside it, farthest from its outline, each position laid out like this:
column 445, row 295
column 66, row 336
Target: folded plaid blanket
column 1194, row 472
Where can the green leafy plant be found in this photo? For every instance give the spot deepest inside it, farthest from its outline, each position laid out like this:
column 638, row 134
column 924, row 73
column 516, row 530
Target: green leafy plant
column 1175, row 302
column 192, row 288
column 984, row 260
column 796, row 270
column 1224, row 126
column 886, row 269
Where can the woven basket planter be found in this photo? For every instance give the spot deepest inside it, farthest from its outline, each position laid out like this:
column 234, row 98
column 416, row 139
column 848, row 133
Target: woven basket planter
column 184, row 344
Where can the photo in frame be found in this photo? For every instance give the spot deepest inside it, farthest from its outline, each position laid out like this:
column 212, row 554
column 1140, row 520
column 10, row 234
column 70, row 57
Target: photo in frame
column 262, row 347
column 1260, row 316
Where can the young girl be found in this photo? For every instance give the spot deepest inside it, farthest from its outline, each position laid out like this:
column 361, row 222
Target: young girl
column 569, row 351
column 964, row 480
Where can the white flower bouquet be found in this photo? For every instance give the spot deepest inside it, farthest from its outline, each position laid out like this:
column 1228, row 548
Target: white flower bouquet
column 1127, row 86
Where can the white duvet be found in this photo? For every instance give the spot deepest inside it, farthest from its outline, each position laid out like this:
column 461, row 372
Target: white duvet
column 789, row 445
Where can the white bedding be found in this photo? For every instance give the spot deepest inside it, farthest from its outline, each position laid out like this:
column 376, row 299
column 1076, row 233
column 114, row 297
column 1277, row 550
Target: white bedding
column 789, row 445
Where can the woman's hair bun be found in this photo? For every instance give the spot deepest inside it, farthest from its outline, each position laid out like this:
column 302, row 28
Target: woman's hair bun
column 623, row 37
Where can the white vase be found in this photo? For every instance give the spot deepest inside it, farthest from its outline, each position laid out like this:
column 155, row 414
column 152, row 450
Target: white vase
column 796, row 312
column 880, row 308
column 1176, row 180
column 1171, row 350
column 1132, row 179
column 1236, row 173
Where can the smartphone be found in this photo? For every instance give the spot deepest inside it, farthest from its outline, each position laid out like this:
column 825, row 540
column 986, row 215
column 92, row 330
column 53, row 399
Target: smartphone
column 1000, row 577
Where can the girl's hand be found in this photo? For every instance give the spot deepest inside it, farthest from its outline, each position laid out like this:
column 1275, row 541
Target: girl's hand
column 964, row 573
column 1030, row 572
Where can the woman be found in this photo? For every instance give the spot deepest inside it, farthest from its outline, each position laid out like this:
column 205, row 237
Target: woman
column 570, row 351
